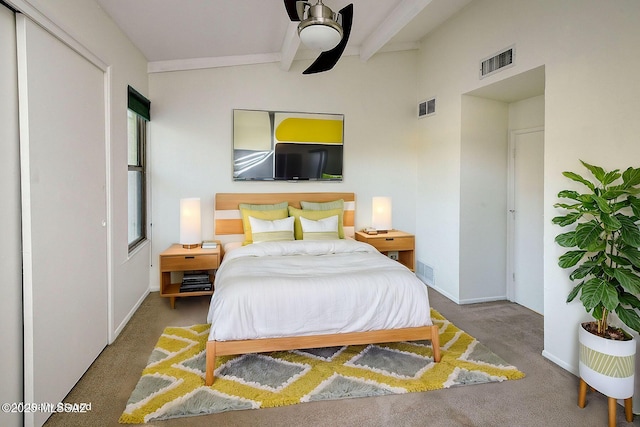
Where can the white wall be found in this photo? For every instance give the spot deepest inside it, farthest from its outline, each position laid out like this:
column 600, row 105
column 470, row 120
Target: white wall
column 191, row 134
column 483, row 199
column 589, row 50
column 527, row 113
column 592, row 106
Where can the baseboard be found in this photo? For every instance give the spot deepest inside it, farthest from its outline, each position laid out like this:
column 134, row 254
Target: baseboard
column 484, row 299
column 116, row 332
column 466, row 301
column 564, row 365
column 443, row 293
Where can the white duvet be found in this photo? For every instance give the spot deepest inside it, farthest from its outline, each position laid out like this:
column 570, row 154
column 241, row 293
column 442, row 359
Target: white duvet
column 277, row 289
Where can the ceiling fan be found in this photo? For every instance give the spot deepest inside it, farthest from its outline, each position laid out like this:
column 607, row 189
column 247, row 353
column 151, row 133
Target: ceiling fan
column 322, row 30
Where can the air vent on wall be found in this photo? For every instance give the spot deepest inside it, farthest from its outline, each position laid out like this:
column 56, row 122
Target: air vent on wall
column 497, row 62
column 427, row 108
column 425, row 273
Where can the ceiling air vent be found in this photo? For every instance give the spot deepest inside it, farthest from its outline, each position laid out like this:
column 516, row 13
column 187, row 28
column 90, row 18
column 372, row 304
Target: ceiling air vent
column 497, row 62
column 427, row 108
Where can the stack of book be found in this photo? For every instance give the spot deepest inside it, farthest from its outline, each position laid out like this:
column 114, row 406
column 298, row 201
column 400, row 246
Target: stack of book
column 209, row 244
column 195, row 282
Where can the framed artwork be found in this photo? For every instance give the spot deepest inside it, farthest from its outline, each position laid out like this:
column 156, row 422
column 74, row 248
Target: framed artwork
column 287, row 146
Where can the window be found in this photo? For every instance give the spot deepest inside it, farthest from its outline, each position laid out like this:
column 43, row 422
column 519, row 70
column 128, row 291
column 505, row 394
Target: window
column 137, row 117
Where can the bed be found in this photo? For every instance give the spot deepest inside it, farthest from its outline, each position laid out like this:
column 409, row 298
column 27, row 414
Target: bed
column 286, row 295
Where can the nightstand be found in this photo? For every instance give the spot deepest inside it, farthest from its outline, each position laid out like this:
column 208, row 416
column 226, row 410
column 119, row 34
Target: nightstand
column 392, row 241
column 178, row 259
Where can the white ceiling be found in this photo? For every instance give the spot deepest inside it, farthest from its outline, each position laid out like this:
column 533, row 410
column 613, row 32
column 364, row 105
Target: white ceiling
column 180, row 34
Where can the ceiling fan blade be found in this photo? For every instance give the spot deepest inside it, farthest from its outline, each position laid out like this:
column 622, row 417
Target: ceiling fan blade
column 328, row 59
column 293, row 9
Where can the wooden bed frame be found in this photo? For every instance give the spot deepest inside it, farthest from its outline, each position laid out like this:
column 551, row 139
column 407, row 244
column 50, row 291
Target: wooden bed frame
column 228, row 221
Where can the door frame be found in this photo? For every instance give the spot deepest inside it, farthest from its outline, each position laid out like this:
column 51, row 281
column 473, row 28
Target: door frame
column 511, row 170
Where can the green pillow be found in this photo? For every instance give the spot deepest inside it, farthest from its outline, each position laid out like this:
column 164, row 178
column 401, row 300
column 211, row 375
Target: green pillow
column 323, row 206
column 276, row 206
column 314, row 215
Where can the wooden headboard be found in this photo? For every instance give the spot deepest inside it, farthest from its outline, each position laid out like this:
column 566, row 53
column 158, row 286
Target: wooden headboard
column 228, row 221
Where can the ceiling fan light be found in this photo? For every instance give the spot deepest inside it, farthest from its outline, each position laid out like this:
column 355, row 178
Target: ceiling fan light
column 321, row 36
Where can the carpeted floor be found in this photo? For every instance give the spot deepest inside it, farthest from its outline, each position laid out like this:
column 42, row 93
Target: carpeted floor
column 172, row 384
column 547, row 396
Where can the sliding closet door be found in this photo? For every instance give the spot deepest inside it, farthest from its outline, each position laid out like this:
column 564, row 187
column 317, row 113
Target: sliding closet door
column 62, row 129
column 11, row 247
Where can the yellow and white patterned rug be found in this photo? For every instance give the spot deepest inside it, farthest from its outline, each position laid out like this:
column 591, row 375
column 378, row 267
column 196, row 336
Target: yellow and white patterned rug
column 172, row 384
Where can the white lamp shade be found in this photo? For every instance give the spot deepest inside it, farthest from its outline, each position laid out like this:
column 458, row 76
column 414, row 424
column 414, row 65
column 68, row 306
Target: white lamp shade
column 320, row 37
column 190, row 225
column 381, row 215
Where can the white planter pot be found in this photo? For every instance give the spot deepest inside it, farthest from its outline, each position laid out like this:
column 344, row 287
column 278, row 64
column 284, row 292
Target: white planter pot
column 607, row 365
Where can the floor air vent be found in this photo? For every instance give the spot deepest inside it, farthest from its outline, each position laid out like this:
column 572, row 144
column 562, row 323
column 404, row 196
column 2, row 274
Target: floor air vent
column 497, row 62
column 425, row 273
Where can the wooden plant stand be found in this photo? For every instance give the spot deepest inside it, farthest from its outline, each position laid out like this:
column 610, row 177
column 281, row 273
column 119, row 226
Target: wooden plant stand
column 628, row 406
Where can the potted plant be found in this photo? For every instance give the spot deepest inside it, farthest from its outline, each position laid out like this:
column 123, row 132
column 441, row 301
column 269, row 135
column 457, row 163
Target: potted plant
column 604, row 253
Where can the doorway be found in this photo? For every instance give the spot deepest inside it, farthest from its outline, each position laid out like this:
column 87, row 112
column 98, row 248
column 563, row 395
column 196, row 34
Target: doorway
column 509, row 112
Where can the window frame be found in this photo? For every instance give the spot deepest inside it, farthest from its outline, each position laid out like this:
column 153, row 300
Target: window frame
column 139, row 107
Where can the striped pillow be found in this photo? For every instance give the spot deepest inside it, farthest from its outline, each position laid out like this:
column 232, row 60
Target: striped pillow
column 267, row 212
column 322, row 229
column 315, row 215
column 271, row 231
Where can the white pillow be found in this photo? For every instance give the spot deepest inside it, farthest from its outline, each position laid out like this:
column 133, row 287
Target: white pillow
column 271, row 231
column 322, row 229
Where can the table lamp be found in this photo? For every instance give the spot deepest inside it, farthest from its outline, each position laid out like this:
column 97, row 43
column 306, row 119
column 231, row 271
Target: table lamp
column 190, row 225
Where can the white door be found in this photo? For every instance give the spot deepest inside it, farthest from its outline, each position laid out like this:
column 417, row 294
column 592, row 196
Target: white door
column 526, row 228
column 63, row 177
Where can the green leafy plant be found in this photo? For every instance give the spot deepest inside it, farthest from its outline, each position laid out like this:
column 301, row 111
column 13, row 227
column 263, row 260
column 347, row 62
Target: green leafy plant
column 604, row 244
